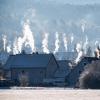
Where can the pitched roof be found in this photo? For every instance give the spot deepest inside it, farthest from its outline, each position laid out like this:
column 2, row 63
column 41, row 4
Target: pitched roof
column 90, row 59
column 28, row 60
column 63, row 69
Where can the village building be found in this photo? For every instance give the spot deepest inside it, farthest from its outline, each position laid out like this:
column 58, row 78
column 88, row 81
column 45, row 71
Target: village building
column 1, row 71
column 63, row 71
column 60, row 75
column 73, row 77
column 32, row 67
column 65, row 55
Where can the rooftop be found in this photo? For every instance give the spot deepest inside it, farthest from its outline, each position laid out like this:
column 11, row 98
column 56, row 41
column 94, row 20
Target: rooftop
column 28, row 60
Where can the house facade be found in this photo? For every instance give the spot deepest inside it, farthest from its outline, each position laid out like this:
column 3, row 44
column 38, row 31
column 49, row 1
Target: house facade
column 33, row 68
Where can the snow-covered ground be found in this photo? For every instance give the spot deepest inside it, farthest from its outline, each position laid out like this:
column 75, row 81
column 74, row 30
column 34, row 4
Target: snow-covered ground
column 49, row 94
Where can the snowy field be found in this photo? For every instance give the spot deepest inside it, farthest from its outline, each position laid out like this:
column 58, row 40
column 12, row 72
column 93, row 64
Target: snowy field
column 48, row 94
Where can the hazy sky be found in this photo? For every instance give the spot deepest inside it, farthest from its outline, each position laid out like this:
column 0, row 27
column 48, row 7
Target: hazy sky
column 77, row 1
column 80, row 2
column 41, row 16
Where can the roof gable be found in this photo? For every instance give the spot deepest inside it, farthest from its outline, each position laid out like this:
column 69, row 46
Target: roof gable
column 28, row 60
column 63, row 69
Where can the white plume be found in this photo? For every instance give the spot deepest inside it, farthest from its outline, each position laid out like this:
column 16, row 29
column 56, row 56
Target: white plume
column 27, row 38
column 4, row 38
column 56, row 42
column 72, row 38
column 9, row 48
column 96, row 43
column 79, row 51
column 15, row 47
column 83, row 26
column 85, row 44
column 45, row 43
column 65, row 41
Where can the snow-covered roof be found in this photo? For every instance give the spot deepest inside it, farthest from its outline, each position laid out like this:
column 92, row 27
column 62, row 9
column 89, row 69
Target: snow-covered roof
column 28, row 60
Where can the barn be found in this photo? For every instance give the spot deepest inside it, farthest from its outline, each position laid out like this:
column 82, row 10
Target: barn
column 36, row 67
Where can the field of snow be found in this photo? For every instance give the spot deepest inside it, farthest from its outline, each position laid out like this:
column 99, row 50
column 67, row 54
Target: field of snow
column 49, row 94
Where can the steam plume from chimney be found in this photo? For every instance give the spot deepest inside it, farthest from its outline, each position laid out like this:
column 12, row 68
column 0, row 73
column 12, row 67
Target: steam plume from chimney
column 45, row 43
column 97, row 52
column 56, row 42
column 20, row 44
column 83, row 26
column 85, row 44
column 28, row 36
column 79, row 51
column 15, row 47
column 65, row 41
column 27, row 39
column 9, row 48
column 72, row 38
column 4, row 38
column 96, row 43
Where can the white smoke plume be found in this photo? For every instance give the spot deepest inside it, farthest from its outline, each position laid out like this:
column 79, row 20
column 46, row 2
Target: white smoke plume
column 97, row 52
column 27, row 36
column 45, row 43
column 85, row 44
column 79, row 51
column 83, row 26
column 27, row 39
column 56, row 42
column 72, row 38
column 4, row 38
column 15, row 47
column 65, row 41
column 20, row 44
column 96, row 43
column 9, row 48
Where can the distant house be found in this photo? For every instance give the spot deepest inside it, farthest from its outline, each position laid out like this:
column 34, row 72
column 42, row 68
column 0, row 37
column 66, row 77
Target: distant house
column 60, row 75
column 63, row 71
column 74, row 75
column 36, row 66
column 1, row 71
column 65, row 55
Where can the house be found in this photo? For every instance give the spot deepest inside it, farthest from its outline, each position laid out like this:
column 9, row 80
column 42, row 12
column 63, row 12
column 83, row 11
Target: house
column 74, row 75
column 36, row 67
column 1, row 71
column 65, row 55
column 63, row 71
column 60, row 75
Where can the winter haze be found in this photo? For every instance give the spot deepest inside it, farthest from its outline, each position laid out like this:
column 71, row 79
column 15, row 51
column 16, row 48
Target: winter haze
column 49, row 25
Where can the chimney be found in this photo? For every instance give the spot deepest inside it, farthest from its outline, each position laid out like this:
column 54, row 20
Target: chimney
column 23, row 52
